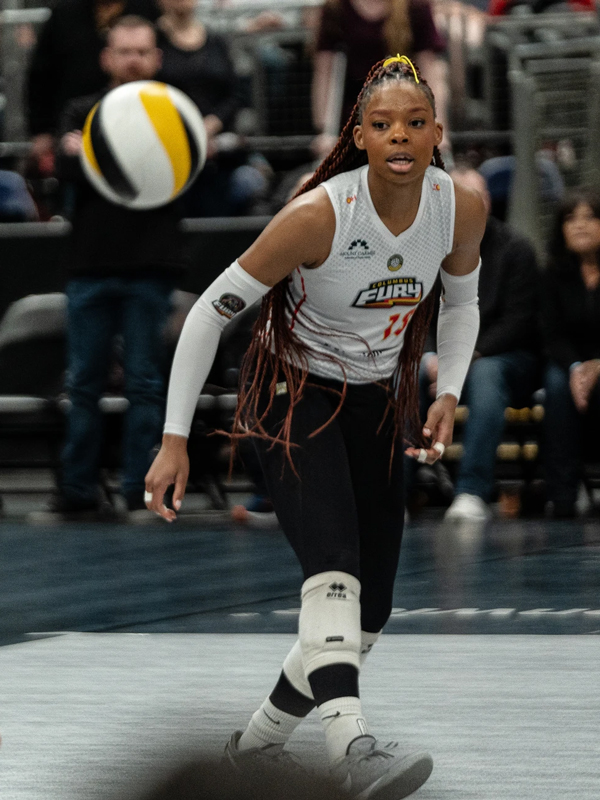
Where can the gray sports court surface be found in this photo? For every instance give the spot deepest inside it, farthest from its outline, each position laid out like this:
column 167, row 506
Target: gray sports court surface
column 175, row 633
column 89, row 716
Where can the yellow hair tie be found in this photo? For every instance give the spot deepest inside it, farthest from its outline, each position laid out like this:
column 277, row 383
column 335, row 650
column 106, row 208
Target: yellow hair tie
column 402, row 60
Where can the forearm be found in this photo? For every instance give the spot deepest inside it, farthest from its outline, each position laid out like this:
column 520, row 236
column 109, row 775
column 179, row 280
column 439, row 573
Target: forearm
column 230, row 293
column 458, row 326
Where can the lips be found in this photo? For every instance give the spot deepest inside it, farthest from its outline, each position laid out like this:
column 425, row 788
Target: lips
column 400, row 162
column 401, row 157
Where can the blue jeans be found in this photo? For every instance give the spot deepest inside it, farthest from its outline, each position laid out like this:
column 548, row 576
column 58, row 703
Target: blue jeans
column 493, row 383
column 565, row 430
column 99, row 308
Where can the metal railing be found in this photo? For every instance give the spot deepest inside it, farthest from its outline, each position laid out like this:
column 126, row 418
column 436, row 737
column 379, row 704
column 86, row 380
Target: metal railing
column 556, row 104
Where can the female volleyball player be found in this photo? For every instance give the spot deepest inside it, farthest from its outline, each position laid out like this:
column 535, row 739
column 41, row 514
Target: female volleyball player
column 328, row 388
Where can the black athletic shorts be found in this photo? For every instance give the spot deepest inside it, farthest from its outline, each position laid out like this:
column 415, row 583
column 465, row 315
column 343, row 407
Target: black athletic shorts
column 345, row 508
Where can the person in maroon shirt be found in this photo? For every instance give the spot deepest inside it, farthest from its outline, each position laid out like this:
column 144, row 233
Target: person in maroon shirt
column 366, row 31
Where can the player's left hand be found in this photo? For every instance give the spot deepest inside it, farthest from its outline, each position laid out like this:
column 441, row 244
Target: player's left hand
column 438, row 427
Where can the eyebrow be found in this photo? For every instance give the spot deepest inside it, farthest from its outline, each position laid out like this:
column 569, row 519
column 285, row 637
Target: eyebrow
column 413, row 110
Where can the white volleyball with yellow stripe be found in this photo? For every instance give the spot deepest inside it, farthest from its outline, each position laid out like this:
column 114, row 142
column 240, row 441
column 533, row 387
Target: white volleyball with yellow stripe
column 143, row 144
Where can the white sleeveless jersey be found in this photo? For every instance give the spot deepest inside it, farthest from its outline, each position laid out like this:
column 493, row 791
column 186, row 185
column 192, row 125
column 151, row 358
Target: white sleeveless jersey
column 357, row 305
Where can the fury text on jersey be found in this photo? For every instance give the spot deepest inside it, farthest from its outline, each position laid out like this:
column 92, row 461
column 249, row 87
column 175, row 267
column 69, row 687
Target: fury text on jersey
column 390, row 292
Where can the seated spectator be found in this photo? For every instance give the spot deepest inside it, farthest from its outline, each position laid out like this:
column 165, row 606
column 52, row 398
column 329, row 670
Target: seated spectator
column 16, row 204
column 571, row 330
column 367, row 31
column 505, row 363
column 66, row 63
column 198, row 62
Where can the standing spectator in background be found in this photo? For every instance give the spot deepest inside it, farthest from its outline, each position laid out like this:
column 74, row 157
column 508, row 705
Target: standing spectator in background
column 122, row 272
column 366, row 31
column 505, row 366
column 571, row 328
column 198, row 62
column 66, row 63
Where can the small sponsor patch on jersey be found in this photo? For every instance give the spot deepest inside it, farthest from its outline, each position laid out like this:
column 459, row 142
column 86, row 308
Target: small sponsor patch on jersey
column 351, row 199
column 436, row 187
column 390, row 292
column 395, row 262
column 228, row 305
column 358, row 248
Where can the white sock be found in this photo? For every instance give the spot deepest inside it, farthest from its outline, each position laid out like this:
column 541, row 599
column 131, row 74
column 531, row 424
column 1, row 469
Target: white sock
column 343, row 722
column 269, row 725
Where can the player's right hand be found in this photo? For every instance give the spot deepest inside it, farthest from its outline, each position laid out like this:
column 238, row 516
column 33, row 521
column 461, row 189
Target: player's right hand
column 170, row 467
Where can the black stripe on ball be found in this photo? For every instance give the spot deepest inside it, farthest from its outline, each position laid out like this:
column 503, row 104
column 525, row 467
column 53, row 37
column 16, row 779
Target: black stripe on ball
column 194, row 155
column 109, row 166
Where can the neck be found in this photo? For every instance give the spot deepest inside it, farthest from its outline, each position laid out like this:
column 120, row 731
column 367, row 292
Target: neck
column 180, row 21
column 590, row 272
column 396, row 205
column 372, row 10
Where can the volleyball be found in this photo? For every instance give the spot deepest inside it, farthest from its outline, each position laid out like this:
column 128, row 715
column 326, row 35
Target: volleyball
column 143, row 144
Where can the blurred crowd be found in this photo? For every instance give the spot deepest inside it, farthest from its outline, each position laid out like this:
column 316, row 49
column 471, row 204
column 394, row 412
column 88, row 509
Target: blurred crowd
column 540, row 313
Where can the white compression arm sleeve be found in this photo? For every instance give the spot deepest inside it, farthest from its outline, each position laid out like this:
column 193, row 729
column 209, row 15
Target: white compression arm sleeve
column 458, row 326
column 230, row 293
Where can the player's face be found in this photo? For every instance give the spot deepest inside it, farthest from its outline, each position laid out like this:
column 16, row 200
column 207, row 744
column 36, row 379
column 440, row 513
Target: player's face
column 131, row 55
column 398, row 131
column 581, row 229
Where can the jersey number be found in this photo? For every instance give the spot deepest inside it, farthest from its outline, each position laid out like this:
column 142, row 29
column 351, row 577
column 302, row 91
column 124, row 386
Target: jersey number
column 393, row 320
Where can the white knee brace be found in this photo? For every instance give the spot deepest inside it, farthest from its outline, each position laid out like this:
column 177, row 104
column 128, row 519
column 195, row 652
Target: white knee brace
column 294, row 669
column 329, row 628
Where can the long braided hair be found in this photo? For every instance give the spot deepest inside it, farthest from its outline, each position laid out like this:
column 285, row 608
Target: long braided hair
column 278, row 354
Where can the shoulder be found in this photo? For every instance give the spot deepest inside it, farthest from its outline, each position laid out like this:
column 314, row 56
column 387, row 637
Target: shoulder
column 437, row 175
column 470, row 219
column 311, row 212
column 344, row 182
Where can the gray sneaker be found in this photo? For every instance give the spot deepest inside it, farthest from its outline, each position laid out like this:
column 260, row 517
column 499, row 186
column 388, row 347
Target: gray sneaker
column 379, row 772
column 272, row 756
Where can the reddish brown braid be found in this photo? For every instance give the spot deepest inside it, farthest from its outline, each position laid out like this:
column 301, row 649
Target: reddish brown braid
column 276, row 351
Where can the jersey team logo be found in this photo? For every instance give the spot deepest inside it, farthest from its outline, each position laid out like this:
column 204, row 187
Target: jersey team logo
column 358, row 248
column 390, row 292
column 395, row 262
column 228, row 305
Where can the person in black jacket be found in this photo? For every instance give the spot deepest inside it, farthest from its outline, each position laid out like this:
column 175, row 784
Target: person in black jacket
column 123, row 267
column 197, row 61
column 506, row 363
column 66, row 61
column 571, row 329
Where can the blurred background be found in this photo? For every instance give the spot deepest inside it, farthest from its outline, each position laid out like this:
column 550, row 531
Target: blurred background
column 518, row 89
column 502, row 535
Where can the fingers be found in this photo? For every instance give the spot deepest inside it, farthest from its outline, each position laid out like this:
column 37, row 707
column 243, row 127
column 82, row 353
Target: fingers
column 426, row 455
column 179, row 492
column 154, row 499
column 431, row 454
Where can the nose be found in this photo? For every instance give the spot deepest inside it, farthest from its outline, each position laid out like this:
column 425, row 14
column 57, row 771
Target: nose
column 399, row 134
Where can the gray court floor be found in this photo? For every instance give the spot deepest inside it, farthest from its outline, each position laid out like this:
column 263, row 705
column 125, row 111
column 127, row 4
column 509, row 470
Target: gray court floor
column 86, row 716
